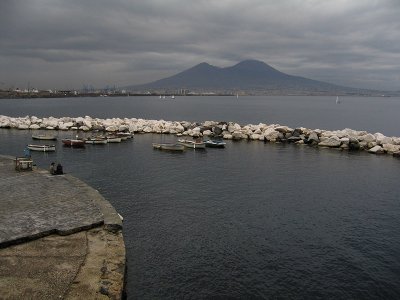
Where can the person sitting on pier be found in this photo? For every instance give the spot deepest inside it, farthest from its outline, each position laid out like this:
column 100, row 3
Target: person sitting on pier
column 59, row 170
column 52, row 168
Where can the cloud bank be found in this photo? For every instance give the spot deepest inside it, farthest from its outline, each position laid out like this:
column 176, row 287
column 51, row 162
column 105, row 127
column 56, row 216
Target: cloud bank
column 69, row 43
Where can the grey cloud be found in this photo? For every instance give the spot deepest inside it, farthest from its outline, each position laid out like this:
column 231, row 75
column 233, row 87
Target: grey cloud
column 138, row 41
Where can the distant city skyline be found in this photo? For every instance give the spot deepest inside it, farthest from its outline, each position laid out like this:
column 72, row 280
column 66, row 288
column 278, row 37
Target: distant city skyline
column 69, row 44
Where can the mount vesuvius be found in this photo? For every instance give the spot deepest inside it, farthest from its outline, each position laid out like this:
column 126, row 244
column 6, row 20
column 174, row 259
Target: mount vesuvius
column 249, row 76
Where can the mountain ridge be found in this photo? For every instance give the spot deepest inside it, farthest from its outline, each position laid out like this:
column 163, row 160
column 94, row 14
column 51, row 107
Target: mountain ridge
column 248, row 76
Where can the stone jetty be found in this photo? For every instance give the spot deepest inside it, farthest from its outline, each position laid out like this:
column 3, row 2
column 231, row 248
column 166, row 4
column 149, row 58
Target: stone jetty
column 59, row 238
column 346, row 139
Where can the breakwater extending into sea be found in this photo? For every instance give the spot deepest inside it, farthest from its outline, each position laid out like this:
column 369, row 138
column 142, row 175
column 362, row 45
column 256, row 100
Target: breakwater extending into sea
column 346, row 139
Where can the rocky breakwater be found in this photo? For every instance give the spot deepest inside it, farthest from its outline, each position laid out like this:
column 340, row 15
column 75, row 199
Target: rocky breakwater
column 346, row 139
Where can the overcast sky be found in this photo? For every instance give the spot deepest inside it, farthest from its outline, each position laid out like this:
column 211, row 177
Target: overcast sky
column 69, row 43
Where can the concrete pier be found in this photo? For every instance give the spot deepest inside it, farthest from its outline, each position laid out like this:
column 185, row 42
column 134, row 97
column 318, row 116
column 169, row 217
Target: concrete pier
column 59, row 238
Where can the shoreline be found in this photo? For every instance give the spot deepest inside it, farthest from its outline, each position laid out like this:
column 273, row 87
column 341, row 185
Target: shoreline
column 16, row 96
column 346, row 139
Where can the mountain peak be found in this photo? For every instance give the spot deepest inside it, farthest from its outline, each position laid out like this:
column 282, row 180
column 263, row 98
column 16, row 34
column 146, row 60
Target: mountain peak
column 249, row 75
column 201, row 67
column 252, row 62
column 254, row 65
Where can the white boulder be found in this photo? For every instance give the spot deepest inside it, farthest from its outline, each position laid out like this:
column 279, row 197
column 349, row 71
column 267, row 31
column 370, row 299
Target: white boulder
column 376, row 150
column 390, row 148
column 332, row 141
column 34, row 126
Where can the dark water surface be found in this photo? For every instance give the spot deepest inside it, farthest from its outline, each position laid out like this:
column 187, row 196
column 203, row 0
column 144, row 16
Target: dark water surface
column 252, row 221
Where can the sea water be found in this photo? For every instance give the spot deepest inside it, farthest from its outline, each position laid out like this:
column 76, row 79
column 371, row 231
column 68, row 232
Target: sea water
column 253, row 220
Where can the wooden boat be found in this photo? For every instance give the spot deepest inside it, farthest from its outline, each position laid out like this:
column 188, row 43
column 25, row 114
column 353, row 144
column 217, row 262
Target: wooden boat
column 96, row 140
column 113, row 139
column 75, row 143
column 125, row 135
column 215, row 143
column 44, row 136
column 43, row 148
column 192, row 144
column 169, row 147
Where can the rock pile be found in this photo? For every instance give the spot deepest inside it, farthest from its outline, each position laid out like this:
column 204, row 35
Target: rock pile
column 346, row 139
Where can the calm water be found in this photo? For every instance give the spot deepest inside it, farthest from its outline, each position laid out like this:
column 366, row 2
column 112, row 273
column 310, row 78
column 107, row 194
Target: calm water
column 252, row 221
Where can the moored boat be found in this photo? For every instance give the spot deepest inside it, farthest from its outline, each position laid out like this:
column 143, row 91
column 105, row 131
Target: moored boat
column 96, row 140
column 75, row 143
column 42, row 148
column 125, row 135
column 113, row 139
column 215, row 143
column 169, row 146
column 44, row 136
column 192, row 144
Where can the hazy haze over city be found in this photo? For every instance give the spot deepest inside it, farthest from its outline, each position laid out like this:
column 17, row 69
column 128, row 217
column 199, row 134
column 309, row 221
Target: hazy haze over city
column 66, row 44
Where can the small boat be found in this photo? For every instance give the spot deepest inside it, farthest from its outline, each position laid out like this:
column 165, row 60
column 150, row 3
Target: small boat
column 192, row 144
column 75, row 143
column 113, row 139
column 124, row 135
column 337, row 100
column 44, row 136
column 169, row 147
column 43, row 148
column 96, row 140
column 215, row 143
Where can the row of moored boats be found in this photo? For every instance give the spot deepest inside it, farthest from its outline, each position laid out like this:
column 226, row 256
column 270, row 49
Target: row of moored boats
column 77, row 142
column 182, row 144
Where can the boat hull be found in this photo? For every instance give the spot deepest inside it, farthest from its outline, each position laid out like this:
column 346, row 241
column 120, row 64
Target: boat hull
column 74, row 143
column 42, row 148
column 192, row 144
column 215, row 144
column 124, row 135
column 96, row 141
column 44, row 137
column 169, row 147
column 113, row 139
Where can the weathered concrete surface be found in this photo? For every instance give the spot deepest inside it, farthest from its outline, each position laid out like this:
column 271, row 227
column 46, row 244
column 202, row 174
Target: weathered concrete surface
column 87, row 261
column 84, row 265
column 35, row 204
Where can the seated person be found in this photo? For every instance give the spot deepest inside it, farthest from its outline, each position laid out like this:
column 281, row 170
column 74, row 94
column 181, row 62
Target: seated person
column 52, row 168
column 59, row 170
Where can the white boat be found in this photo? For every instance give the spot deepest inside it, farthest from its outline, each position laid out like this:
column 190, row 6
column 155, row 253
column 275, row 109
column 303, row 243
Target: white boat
column 42, row 148
column 96, row 140
column 44, row 136
column 337, row 100
column 215, row 143
column 125, row 135
column 192, row 144
column 169, row 147
column 114, row 139
column 172, row 97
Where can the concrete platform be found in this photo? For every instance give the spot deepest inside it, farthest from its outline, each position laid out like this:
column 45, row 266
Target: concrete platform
column 59, row 238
